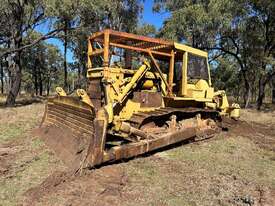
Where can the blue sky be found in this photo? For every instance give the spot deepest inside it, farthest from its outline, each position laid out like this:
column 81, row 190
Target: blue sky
column 148, row 16
column 151, row 17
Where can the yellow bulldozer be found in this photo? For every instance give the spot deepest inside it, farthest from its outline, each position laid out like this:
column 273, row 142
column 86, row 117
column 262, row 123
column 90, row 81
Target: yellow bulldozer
column 142, row 94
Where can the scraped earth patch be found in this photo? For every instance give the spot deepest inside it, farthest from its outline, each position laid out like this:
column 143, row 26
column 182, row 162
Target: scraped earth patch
column 261, row 134
column 103, row 186
column 8, row 154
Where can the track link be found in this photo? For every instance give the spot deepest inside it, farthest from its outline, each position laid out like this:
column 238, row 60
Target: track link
column 138, row 119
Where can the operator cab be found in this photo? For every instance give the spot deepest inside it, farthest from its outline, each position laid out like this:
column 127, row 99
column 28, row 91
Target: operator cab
column 191, row 77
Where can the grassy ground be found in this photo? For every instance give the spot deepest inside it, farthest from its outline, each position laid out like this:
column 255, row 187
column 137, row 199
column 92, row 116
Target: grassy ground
column 230, row 169
column 224, row 171
column 24, row 159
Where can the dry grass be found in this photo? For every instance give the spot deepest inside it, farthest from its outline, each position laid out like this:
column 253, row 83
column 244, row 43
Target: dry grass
column 16, row 122
column 217, row 172
column 25, row 161
column 262, row 117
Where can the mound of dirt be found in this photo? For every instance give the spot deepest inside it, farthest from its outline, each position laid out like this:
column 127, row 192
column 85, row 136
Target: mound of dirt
column 7, row 156
column 98, row 187
column 260, row 134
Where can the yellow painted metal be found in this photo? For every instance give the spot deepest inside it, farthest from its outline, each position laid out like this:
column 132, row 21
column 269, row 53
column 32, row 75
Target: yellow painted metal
column 60, row 91
column 136, row 77
column 84, row 97
column 163, row 78
column 235, row 111
column 198, row 90
column 211, row 105
column 209, row 76
column 189, row 49
column 171, row 72
column 183, row 91
column 202, row 84
column 224, row 104
column 132, row 107
column 148, row 84
column 124, row 92
column 109, row 110
column 117, row 86
column 210, row 93
column 89, row 54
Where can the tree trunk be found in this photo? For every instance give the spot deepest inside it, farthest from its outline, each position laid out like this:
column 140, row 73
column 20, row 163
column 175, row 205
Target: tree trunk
column 35, row 79
column 273, row 89
column 15, row 84
column 40, row 82
column 247, row 94
column 65, row 55
column 273, row 95
column 78, row 75
column 9, row 79
column 16, row 73
column 261, row 93
column 2, row 79
column 48, row 87
column 40, row 88
column 36, row 84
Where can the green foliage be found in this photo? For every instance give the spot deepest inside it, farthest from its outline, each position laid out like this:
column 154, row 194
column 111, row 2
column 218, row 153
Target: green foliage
column 146, row 30
column 42, row 64
column 225, row 76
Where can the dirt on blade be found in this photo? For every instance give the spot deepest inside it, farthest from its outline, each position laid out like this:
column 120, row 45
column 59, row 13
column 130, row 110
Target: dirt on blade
column 67, row 146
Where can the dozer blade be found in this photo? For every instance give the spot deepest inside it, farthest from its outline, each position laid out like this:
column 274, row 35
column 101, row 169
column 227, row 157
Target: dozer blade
column 67, row 128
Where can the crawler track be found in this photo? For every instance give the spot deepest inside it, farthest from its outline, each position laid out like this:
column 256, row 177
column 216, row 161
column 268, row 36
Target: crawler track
column 142, row 118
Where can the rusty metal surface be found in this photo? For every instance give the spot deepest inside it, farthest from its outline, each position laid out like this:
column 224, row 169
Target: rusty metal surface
column 148, row 99
column 144, row 146
column 94, row 91
column 159, row 47
column 68, row 129
column 137, row 40
column 139, row 118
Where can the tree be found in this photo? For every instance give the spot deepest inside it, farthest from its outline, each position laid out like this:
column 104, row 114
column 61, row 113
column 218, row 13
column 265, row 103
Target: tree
column 18, row 18
column 146, row 30
column 53, row 66
column 262, row 41
column 40, row 64
column 2, row 76
column 273, row 89
column 67, row 13
column 225, row 76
